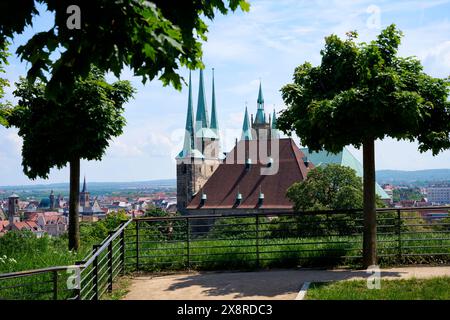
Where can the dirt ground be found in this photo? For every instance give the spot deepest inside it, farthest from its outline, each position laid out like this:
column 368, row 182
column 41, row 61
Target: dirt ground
column 258, row 285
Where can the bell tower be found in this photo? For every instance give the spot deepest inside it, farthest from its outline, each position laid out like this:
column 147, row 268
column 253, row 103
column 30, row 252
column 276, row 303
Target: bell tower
column 84, row 196
column 13, row 209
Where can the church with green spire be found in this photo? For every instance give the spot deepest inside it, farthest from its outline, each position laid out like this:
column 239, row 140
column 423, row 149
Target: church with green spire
column 201, row 154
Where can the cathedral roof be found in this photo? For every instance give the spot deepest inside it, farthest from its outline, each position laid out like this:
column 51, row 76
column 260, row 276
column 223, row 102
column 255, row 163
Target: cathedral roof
column 232, row 178
column 344, row 158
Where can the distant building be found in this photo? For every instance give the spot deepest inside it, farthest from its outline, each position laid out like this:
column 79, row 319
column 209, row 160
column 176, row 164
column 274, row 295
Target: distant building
column 439, row 195
column 14, row 222
column 2, row 214
column 87, row 206
column 53, row 223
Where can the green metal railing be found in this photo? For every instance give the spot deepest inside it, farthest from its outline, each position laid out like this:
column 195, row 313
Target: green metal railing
column 237, row 241
column 86, row 280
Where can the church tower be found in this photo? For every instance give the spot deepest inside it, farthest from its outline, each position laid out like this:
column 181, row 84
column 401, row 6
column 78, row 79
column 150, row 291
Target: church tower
column 201, row 149
column 52, row 200
column 13, row 209
column 84, row 196
column 260, row 125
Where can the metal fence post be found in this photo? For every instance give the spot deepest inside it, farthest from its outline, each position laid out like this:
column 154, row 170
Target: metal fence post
column 95, row 273
column 78, row 289
column 188, row 249
column 122, row 258
column 399, row 234
column 257, row 240
column 55, row 285
column 110, row 263
column 137, row 245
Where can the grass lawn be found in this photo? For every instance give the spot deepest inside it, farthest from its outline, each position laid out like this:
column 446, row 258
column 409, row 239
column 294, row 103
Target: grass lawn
column 411, row 289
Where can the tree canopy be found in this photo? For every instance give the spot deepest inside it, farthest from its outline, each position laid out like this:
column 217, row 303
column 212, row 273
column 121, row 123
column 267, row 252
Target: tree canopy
column 365, row 90
column 362, row 92
column 53, row 133
column 153, row 38
column 3, row 81
column 330, row 187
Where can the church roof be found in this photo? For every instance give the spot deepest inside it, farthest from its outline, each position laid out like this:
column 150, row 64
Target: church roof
column 193, row 153
column 230, row 179
column 344, row 158
column 206, row 133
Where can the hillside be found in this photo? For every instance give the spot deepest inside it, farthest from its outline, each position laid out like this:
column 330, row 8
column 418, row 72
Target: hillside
column 399, row 176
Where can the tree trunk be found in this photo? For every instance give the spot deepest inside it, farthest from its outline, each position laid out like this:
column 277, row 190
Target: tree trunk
column 74, row 202
column 370, row 221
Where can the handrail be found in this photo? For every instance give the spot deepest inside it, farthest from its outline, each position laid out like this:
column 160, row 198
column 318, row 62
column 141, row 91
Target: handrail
column 26, row 273
column 287, row 213
column 105, row 244
column 84, row 265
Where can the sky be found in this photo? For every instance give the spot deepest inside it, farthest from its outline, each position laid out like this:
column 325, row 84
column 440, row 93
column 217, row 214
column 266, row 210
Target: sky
column 265, row 44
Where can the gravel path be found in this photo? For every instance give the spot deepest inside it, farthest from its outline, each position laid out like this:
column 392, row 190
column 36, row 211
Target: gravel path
column 259, row 285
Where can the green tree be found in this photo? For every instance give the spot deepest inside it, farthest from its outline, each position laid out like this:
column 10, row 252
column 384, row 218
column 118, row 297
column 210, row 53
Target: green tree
column 327, row 188
column 362, row 92
column 56, row 134
column 3, row 82
column 153, row 38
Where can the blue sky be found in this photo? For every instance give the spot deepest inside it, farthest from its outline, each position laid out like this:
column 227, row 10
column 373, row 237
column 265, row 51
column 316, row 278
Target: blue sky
column 267, row 43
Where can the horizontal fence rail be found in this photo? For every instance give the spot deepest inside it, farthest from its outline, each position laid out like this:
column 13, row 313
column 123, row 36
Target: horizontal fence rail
column 238, row 241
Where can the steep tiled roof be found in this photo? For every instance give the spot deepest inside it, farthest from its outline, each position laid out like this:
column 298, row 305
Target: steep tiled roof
column 229, row 179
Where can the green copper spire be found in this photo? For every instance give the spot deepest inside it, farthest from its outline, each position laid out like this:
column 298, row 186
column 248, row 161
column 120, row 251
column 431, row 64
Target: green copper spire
column 201, row 120
column 246, row 129
column 214, row 122
column 260, row 117
column 275, row 134
column 189, row 136
column 260, row 97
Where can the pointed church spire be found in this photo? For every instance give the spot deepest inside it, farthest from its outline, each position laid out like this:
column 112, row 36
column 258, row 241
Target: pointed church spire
column 275, row 134
column 84, row 185
column 202, row 120
column 260, row 117
column 260, row 97
column 189, row 137
column 214, row 122
column 246, row 128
